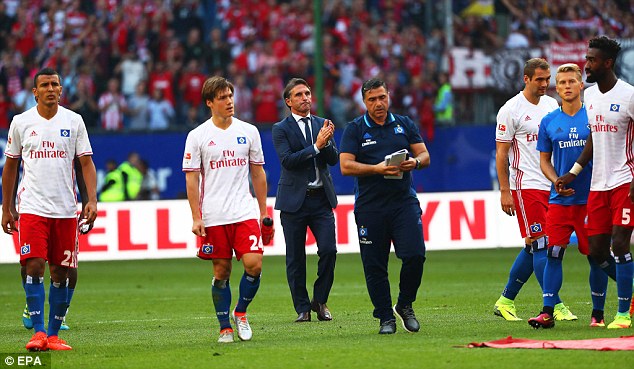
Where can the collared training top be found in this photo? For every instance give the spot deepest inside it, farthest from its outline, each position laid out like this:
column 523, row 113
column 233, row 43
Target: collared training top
column 370, row 143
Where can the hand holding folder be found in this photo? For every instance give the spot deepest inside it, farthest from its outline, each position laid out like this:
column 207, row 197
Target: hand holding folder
column 395, row 159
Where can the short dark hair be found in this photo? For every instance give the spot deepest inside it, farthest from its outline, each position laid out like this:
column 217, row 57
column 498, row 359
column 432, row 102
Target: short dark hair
column 371, row 84
column 608, row 47
column 533, row 64
column 46, row 72
column 291, row 85
column 214, row 85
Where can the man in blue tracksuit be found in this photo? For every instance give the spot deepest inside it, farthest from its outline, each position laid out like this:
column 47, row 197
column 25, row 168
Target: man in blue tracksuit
column 386, row 210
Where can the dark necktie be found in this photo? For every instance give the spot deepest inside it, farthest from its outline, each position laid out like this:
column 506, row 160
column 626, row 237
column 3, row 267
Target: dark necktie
column 308, row 134
column 309, row 140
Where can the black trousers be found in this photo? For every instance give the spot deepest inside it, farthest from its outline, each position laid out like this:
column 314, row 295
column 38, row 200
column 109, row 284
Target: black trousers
column 377, row 231
column 317, row 215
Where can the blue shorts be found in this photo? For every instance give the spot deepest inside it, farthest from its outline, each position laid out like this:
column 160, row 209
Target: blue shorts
column 402, row 226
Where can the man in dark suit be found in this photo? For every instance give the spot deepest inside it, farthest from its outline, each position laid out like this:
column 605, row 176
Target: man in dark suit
column 306, row 196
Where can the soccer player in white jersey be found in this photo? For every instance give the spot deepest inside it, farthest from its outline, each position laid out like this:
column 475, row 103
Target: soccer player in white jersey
column 524, row 190
column 610, row 106
column 47, row 138
column 220, row 154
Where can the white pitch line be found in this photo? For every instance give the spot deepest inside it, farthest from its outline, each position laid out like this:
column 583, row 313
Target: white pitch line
column 143, row 320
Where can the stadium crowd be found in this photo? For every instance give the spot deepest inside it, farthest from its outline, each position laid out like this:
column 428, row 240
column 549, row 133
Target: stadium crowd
column 140, row 64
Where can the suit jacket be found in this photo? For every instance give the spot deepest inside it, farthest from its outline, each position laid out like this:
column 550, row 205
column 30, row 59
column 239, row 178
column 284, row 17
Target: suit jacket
column 296, row 157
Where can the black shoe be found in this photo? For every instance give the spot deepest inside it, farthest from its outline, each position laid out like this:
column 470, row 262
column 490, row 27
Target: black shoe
column 303, row 317
column 388, row 327
column 408, row 318
column 322, row 311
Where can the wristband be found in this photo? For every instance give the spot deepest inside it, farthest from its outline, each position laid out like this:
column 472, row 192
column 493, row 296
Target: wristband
column 576, row 169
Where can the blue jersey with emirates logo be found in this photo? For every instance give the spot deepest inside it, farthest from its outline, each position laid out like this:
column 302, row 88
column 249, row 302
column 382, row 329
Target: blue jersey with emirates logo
column 565, row 136
column 370, row 143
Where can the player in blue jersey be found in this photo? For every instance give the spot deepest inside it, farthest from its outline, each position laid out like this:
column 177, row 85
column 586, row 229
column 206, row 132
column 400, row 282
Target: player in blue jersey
column 386, row 210
column 562, row 136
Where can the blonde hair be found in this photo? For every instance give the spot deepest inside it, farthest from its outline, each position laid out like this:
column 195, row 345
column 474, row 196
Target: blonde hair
column 569, row 67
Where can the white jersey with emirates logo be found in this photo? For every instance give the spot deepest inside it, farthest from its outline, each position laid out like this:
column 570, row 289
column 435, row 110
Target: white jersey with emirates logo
column 611, row 121
column 518, row 123
column 223, row 157
column 47, row 149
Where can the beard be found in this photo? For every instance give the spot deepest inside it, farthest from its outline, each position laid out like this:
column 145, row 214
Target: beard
column 592, row 77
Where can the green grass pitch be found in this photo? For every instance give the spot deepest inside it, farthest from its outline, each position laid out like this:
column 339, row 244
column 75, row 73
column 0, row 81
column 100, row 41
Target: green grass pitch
column 158, row 314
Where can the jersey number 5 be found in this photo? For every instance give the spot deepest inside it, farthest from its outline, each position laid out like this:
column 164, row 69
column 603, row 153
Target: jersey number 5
column 625, row 219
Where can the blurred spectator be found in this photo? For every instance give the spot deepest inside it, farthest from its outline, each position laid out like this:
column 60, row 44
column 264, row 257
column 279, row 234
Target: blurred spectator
column 76, row 20
column 23, row 30
column 518, row 38
column 171, row 52
column 247, row 59
column 427, row 119
column 217, row 53
column 191, row 119
column 87, row 77
column 342, row 109
column 23, row 100
column 243, row 98
column 149, row 186
column 12, row 79
column 443, row 106
column 132, row 71
column 68, row 81
column 190, row 87
column 194, row 46
column 183, row 17
column 84, row 104
column 162, row 79
column 436, row 46
column 161, row 111
column 265, row 97
column 423, row 94
column 138, row 105
column 112, row 105
column 6, row 21
column 112, row 189
column 57, row 58
column 5, row 107
column 131, row 176
column 477, row 32
column 145, row 41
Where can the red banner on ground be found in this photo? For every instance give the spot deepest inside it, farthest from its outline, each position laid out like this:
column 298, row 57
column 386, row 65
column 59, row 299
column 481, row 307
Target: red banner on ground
column 598, row 344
